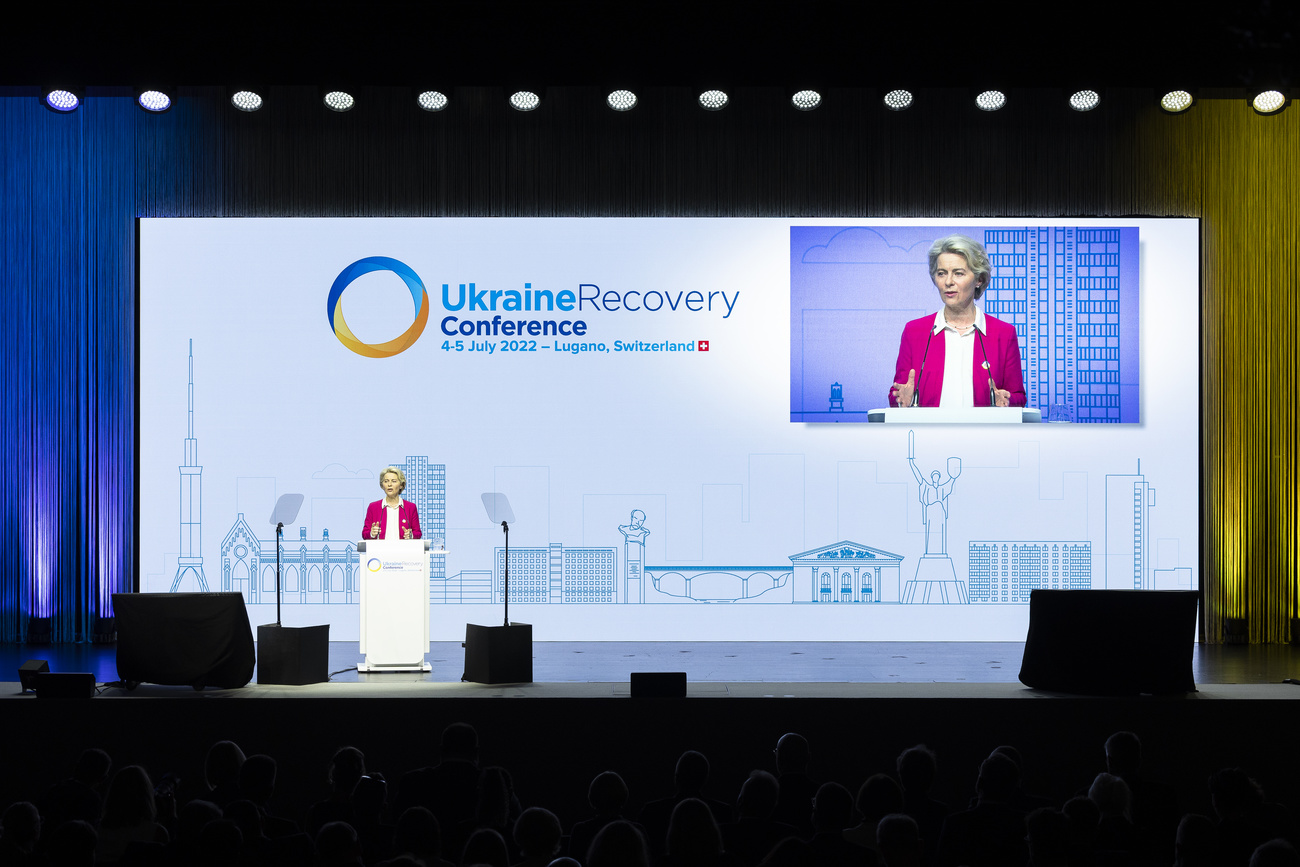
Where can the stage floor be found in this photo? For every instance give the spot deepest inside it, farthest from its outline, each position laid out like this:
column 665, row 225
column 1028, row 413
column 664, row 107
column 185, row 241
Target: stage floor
column 728, row 663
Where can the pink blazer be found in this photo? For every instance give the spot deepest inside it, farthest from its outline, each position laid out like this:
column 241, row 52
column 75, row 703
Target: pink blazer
column 376, row 512
column 1000, row 345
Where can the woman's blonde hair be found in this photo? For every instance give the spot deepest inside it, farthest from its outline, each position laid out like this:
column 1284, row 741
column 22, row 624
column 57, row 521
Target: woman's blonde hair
column 401, row 477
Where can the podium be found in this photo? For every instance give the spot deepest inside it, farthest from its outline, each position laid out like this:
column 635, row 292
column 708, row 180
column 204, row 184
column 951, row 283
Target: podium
column 963, row 415
column 394, row 604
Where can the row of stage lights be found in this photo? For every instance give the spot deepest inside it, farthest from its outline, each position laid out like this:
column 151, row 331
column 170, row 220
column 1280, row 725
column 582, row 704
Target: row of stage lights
column 1173, row 102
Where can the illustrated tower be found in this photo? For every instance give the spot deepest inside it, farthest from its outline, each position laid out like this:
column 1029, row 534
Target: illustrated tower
column 191, row 559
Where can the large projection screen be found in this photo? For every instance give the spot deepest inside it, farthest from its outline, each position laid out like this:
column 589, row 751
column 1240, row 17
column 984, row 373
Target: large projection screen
column 656, row 398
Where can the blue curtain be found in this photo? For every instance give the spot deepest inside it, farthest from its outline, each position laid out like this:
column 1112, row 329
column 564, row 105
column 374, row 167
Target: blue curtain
column 71, row 188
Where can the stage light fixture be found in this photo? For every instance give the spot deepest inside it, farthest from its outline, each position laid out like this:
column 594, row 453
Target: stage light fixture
column 153, row 100
column 806, row 100
column 991, row 100
column 1269, row 101
column 246, row 100
column 1176, row 101
column 1085, row 100
column 714, row 100
column 61, row 99
column 899, row 99
column 432, row 100
column 621, row 100
column 524, row 100
column 339, row 100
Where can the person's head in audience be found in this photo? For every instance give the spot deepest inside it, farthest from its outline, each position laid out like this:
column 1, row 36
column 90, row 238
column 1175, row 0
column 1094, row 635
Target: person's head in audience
column 537, row 833
column 486, row 846
column 692, row 831
column 337, row 845
column 92, row 768
column 221, row 768
column 418, row 834
column 496, row 792
column 370, row 797
column 758, row 796
column 257, row 779
column 878, row 796
column 917, row 768
column 832, row 808
column 607, row 794
column 1048, row 834
column 130, row 800
column 618, row 844
column 72, row 844
column 347, row 767
column 1123, row 755
column 1111, row 795
column 1234, row 794
column 1275, row 853
column 998, row 779
column 1084, row 817
column 1197, row 842
column 459, row 743
column 691, row 773
column 898, row 839
column 221, row 842
column 792, row 754
column 21, row 824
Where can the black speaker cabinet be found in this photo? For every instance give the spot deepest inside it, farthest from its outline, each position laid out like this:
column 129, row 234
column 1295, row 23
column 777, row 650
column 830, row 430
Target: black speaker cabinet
column 1110, row 642
column 28, row 670
column 658, row 684
column 499, row 654
column 293, row 654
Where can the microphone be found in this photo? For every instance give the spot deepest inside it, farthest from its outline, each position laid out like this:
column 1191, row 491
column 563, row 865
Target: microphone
column 988, row 369
column 916, row 396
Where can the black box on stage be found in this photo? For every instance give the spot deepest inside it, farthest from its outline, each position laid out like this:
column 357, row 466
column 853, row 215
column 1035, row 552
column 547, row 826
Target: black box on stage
column 499, row 654
column 49, row 684
column 293, row 654
column 1110, row 642
column 658, row 684
column 183, row 639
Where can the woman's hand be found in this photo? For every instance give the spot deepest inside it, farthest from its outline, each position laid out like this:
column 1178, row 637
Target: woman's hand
column 903, row 392
column 374, row 530
column 408, row 534
column 1001, row 397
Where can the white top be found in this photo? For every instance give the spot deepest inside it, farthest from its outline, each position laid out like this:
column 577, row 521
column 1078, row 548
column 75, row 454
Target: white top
column 393, row 523
column 958, row 359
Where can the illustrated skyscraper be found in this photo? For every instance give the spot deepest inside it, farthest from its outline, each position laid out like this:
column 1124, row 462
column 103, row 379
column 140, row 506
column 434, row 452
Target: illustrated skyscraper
column 191, row 558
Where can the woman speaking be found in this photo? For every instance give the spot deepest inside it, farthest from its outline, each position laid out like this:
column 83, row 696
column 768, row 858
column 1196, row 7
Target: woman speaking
column 392, row 517
column 959, row 356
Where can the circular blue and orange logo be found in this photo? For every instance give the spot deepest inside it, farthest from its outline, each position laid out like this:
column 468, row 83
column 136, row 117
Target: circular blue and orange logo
column 334, row 307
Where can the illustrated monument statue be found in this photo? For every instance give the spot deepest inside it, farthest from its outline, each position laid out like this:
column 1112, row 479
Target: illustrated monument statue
column 936, row 579
column 634, row 533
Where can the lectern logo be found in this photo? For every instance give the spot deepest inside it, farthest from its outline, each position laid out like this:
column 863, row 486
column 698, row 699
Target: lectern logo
column 334, row 307
column 374, row 565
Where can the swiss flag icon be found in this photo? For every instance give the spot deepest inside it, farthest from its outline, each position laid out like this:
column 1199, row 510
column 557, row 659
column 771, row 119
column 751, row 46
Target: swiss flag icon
column 703, row 346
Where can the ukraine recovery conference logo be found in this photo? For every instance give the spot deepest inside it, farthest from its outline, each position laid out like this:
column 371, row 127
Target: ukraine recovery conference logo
column 374, row 565
column 334, row 307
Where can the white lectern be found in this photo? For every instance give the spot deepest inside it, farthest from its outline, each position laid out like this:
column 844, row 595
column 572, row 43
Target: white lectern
column 394, row 604
column 965, row 415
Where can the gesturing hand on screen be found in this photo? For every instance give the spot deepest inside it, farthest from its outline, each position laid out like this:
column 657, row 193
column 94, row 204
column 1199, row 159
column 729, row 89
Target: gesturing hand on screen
column 904, row 391
column 1001, row 397
column 374, row 530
